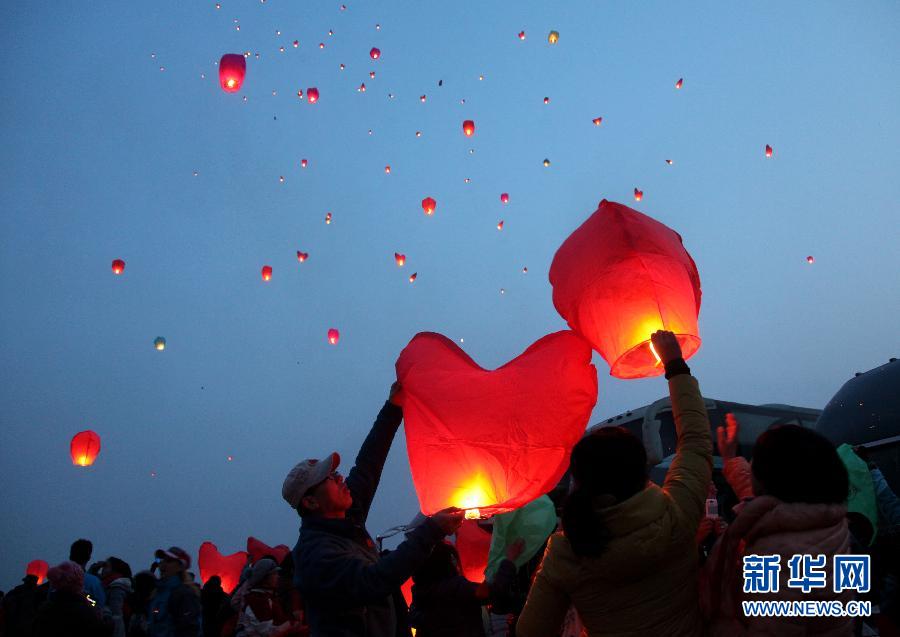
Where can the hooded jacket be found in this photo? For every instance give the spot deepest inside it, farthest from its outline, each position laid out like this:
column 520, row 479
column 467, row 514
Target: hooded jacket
column 644, row 582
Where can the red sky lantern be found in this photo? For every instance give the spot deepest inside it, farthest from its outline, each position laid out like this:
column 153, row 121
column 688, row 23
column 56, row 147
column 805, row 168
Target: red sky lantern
column 362, row 88
column 84, row 448
column 500, row 225
column 638, row 194
column 768, row 151
column 504, row 197
column 597, row 121
column 118, row 266
column 428, row 205
column 259, row 549
column 810, row 259
column 473, row 544
column 302, row 256
column 300, row 93
column 399, row 258
column 546, row 100
column 312, row 95
column 669, row 162
column 227, row 567
column 413, row 276
column 267, row 273
column 620, row 277
column 679, row 83
column 39, row 569
column 468, row 128
column 492, row 441
column 521, row 35
column 333, row 336
column 387, row 169
column 232, row 68
column 327, row 218
column 303, row 163
column 374, row 53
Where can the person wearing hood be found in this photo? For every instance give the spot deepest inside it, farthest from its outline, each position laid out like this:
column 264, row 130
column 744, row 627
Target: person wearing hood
column 175, row 607
column 262, row 614
column 116, row 579
column 626, row 557
column 67, row 611
column 793, row 502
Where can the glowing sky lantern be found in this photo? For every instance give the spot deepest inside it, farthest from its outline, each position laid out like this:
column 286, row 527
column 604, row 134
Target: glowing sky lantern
column 473, row 544
column 504, row 197
column 768, row 151
column 500, row 225
column 810, row 259
column 159, row 343
column 303, row 163
column 387, row 169
column 118, row 266
column 333, row 336
column 422, row 98
column 39, row 569
column 620, row 277
column 546, row 100
column 638, row 194
column 374, row 53
column 468, row 128
column 679, row 83
column 84, row 448
column 259, row 549
column 553, row 37
column 597, row 121
column 400, row 259
column 492, row 440
column 428, row 205
column 327, row 218
column 521, row 35
column 362, row 88
column 669, row 162
column 302, row 256
column 312, row 95
column 412, row 277
column 232, row 68
column 227, row 567
column 546, row 163
column 267, row 273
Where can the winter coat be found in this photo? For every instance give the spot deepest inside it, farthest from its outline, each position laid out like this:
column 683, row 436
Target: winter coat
column 20, row 607
column 116, row 593
column 767, row 526
column 644, row 582
column 175, row 609
column 348, row 589
column 66, row 614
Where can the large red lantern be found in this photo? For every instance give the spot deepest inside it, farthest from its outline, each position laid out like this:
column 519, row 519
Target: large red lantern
column 39, row 569
column 473, row 544
column 491, row 441
column 399, row 258
column 232, row 68
column 428, row 205
column 504, row 197
column 227, row 567
column 375, row 53
column 259, row 549
column 312, row 95
column 84, row 448
column 118, row 266
column 266, row 273
column 468, row 128
column 620, row 277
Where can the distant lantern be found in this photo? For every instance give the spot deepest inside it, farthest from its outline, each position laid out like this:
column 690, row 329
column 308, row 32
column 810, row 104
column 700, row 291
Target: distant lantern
column 372, row 75
column 333, row 336
column 300, row 93
column 620, row 277
column 546, row 100
column 387, row 169
column 500, row 225
column 84, row 448
column 400, row 259
column 327, row 218
column 312, row 95
column 810, row 259
column 412, row 277
column 669, row 161
column 597, row 121
column 468, row 128
column 768, row 151
column 232, row 68
column 296, row 43
column 553, row 37
column 267, row 273
column 159, row 343
column 546, row 163
column 374, row 53
column 39, row 569
column 304, row 163
column 679, row 83
column 521, row 35
column 638, row 194
column 362, row 88
column 428, row 205
column 422, row 98
column 118, row 266
column 504, row 197
column 302, row 256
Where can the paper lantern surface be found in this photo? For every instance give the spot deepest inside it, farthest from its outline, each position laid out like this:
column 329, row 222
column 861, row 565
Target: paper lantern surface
column 493, row 440
column 227, row 567
column 259, row 549
column 620, row 277
column 39, row 569
column 532, row 523
column 84, row 448
column 232, row 68
column 473, row 544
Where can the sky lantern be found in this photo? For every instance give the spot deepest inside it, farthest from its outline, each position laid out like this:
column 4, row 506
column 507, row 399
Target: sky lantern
column 333, row 336
column 302, row 256
column 118, row 266
column 810, row 259
column 546, row 163
column 768, row 151
column 428, row 205
column 473, row 544
column 303, row 163
column 267, row 273
column 504, row 197
column 39, row 569
column 491, row 441
column 159, row 343
column 679, row 83
column 227, row 567
column 468, row 128
column 327, row 218
column 362, row 88
column 500, row 225
column 521, row 35
column 597, row 121
column 400, row 259
column 312, row 95
column 669, row 162
column 232, row 68
column 258, row 549
column 620, row 277
column 638, row 194
column 84, row 448
column 412, row 277
column 375, row 53
column 387, row 169
column 553, row 37
column 546, row 100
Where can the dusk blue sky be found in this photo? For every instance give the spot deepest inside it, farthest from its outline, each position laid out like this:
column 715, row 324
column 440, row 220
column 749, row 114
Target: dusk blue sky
column 99, row 152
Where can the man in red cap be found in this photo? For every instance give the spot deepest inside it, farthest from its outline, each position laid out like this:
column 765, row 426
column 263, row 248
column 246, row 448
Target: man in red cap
column 175, row 608
column 349, row 589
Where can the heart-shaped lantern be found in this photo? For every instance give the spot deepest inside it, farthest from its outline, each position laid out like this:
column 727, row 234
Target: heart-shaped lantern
column 259, row 549
column 473, row 544
column 227, row 567
column 491, row 441
column 620, row 277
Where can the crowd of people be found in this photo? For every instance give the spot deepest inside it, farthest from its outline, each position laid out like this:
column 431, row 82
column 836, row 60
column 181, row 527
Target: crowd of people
column 629, row 557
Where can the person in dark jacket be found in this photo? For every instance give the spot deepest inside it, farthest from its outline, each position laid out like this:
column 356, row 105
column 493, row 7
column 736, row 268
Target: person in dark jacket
column 175, row 607
column 348, row 589
column 20, row 607
column 80, row 553
column 67, row 612
column 446, row 604
column 212, row 596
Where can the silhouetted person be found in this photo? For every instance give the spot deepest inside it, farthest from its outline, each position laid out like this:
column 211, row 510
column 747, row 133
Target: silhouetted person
column 67, row 612
column 80, row 553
